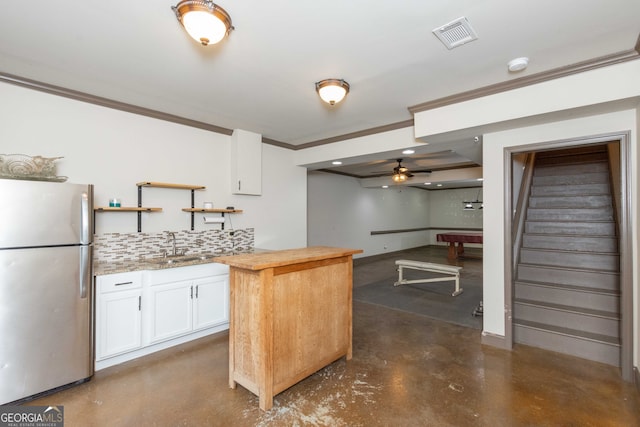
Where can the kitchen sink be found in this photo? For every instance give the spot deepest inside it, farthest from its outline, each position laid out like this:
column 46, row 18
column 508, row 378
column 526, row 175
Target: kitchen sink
column 180, row 259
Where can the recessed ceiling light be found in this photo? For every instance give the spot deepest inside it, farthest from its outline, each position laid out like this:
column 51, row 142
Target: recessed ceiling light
column 408, row 152
column 518, row 64
column 427, row 183
column 439, row 185
column 479, row 179
column 337, row 162
column 385, row 186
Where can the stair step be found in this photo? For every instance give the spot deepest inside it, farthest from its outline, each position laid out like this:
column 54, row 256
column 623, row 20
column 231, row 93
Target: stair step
column 570, row 242
column 571, row 214
column 585, row 178
column 561, row 168
column 577, row 202
column 573, row 152
column 599, row 348
column 557, row 315
column 581, row 297
column 582, row 228
column 570, row 189
column 569, row 276
column 572, row 259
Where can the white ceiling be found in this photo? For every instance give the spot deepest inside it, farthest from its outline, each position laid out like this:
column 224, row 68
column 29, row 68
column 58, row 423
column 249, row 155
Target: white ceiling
column 261, row 78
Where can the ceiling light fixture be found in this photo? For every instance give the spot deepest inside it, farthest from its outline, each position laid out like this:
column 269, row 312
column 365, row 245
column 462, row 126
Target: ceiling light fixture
column 469, row 206
column 332, row 91
column 206, row 22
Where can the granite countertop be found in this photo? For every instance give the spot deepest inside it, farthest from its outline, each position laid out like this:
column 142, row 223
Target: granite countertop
column 102, row 268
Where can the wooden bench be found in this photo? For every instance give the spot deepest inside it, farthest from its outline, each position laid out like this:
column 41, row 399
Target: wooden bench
column 451, row 272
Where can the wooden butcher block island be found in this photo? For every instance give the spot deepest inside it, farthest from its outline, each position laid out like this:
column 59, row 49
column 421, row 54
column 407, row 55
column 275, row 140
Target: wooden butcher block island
column 290, row 316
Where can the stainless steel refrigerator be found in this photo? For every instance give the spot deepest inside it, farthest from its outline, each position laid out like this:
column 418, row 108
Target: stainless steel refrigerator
column 46, row 308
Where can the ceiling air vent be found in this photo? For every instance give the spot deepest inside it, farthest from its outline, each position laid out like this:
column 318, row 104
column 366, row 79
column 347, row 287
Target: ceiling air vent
column 455, row 33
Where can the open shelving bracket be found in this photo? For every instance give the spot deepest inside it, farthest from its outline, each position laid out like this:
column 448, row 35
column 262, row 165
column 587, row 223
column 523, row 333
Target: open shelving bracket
column 192, row 188
column 139, row 209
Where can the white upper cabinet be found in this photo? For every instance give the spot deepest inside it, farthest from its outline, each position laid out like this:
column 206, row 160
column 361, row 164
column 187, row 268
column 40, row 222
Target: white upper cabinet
column 246, row 163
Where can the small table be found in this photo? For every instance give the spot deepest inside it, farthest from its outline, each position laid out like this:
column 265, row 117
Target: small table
column 459, row 238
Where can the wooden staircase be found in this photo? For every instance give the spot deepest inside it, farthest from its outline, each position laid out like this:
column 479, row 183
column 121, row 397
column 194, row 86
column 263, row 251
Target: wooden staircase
column 567, row 287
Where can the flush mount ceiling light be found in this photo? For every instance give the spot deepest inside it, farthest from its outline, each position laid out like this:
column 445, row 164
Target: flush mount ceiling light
column 332, row 91
column 206, row 22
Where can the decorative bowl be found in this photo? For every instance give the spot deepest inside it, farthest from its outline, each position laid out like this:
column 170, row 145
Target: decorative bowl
column 22, row 166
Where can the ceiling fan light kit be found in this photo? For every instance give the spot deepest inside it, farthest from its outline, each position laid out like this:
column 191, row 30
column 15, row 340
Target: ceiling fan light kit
column 402, row 173
column 399, row 177
column 206, row 22
column 332, row 91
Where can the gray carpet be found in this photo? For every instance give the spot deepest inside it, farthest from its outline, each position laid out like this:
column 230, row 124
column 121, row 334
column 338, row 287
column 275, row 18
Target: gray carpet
column 433, row 300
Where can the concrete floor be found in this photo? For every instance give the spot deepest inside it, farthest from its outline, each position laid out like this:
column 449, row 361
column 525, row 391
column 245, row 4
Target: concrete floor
column 407, row 370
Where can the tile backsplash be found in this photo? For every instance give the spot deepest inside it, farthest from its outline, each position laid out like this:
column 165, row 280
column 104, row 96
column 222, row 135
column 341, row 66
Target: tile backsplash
column 112, row 247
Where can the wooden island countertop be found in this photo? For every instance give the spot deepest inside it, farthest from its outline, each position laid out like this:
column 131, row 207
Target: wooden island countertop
column 270, row 259
column 290, row 316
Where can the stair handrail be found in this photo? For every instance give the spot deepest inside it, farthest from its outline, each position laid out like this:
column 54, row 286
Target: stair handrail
column 521, row 207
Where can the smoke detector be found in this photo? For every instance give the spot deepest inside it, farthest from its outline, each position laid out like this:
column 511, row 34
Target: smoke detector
column 455, row 33
column 518, row 64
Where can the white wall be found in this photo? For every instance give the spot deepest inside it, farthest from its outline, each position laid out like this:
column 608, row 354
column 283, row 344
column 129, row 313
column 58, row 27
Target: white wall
column 446, row 211
column 114, row 150
column 342, row 213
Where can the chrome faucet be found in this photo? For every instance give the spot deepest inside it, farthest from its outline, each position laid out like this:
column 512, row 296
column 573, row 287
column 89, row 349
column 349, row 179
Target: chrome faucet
column 171, row 237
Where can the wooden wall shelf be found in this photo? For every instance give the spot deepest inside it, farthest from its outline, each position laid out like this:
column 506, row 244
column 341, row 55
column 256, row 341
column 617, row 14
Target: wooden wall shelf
column 169, row 185
column 223, row 211
column 151, row 184
column 125, row 209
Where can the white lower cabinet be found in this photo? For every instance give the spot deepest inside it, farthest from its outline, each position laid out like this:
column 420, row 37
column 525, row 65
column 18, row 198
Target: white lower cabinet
column 211, row 302
column 145, row 311
column 118, row 314
column 170, row 310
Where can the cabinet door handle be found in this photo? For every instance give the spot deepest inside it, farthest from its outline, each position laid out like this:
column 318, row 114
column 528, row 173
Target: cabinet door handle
column 197, row 291
column 192, row 292
column 123, row 283
column 239, row 185
column 139, row 303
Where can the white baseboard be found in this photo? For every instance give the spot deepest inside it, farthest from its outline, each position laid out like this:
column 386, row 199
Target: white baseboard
column 125, row 357
column 494, row 340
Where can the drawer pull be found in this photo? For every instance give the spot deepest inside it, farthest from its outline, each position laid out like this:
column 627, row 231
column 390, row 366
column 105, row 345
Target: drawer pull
column 124, row 283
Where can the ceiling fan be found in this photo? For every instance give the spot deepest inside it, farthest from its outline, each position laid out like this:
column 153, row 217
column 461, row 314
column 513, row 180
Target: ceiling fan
column 401, row 173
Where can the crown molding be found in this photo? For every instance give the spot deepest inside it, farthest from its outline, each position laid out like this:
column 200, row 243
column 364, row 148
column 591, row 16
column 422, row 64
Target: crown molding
column 568, row 70
column 109, row 103
column 580, row 67
column 358, row 134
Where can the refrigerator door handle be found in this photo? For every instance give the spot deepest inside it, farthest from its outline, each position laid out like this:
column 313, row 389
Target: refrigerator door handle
column 85, row 269
column 85, row 219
